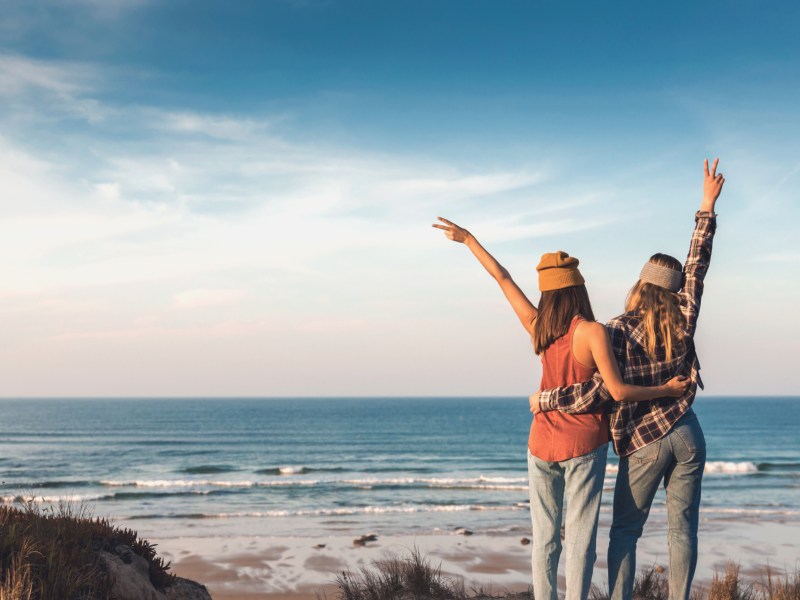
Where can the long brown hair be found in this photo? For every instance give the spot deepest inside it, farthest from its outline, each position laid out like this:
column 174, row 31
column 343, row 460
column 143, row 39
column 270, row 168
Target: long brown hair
column 664, row 323
column 556, row 311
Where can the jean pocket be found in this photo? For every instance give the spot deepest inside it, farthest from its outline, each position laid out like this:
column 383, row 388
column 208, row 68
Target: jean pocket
column 645, row 455
column 691, row 435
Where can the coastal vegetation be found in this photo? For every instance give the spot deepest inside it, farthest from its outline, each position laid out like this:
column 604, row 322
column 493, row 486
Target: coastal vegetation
column 61, row 552
column 416, row 577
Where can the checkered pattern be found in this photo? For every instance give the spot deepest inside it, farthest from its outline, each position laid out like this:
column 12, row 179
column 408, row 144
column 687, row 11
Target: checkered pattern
column 636, row 424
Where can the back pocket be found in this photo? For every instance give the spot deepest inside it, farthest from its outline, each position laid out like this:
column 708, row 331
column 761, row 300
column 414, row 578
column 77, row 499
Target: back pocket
column 691, row 435
column 647, row 454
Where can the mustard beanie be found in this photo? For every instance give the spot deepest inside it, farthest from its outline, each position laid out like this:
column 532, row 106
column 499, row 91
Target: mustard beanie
column 558, row 270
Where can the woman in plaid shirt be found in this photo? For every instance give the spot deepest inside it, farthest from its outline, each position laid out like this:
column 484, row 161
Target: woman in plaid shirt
column 659, row 440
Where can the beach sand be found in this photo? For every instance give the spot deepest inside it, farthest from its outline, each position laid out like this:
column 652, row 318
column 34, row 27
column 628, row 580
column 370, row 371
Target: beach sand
column 245, row 568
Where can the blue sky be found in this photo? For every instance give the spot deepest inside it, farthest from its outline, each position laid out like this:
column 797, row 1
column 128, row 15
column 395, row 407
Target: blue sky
column 204, row 198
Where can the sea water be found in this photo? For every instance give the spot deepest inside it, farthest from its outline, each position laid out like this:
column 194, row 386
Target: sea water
column 328, row 465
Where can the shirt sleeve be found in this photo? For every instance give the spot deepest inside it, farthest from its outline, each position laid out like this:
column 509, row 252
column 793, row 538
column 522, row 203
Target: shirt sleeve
column 696, row 267
column 584, row 397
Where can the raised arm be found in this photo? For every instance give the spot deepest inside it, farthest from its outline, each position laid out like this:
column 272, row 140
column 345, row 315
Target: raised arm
column 699, row 257
column 525, row 310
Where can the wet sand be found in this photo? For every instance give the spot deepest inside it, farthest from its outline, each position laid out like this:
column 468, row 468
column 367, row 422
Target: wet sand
column 279, row 568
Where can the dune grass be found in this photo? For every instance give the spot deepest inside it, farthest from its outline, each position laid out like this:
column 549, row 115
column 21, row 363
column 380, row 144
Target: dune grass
column 50, row 552
column 415, row 577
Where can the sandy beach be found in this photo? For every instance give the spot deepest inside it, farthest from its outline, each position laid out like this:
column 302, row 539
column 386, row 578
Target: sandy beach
column 245, row 568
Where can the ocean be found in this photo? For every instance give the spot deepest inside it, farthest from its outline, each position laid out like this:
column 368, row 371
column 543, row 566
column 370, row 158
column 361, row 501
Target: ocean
column 307, row 467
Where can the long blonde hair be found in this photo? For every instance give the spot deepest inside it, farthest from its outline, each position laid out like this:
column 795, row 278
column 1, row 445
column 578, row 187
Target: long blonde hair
column 664, row 323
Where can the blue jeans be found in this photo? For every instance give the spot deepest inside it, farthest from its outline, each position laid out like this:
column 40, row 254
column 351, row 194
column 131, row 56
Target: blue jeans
column 580, row 479
column 678, row 459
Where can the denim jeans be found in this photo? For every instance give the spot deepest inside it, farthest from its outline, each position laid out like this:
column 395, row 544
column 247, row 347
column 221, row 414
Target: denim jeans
column 580, row 479
column 678, row 459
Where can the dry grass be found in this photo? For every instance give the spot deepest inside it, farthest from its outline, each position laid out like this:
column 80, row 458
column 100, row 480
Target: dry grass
column 414, row 577
column 51, row 553
column 780, row 587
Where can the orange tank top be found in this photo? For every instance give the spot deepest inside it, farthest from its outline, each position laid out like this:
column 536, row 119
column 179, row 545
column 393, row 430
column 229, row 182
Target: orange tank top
column 557, row 436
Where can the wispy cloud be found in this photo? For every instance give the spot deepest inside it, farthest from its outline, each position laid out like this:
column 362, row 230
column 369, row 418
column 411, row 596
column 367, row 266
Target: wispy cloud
column 191, row 192
column 145, row 228
column 214, row 126
column 20, row 74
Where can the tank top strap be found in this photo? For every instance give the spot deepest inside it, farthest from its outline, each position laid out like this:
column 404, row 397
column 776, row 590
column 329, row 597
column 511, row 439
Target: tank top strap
column 576, row 320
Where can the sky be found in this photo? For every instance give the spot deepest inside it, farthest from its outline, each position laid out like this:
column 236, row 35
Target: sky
column 234, row 198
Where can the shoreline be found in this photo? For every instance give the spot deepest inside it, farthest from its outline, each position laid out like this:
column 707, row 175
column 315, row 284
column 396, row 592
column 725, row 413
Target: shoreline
column 248, row 567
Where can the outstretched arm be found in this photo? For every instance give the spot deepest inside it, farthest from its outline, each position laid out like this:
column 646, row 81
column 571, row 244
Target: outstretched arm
column 526, row 312
column 699, row 257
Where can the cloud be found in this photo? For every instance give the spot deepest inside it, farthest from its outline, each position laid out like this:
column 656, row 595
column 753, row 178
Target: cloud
column 164, row 232
column 20, row 74
column 214, row 126
column 163, row 196
column 38, row 92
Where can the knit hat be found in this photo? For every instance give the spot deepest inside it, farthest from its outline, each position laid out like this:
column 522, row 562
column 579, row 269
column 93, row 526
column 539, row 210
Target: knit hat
column 558, row 270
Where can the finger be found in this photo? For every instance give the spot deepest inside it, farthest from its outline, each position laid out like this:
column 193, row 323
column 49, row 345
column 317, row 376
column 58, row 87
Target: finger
column 714, row 167
column 443, row 220
column 706, row 167
column 444, row 227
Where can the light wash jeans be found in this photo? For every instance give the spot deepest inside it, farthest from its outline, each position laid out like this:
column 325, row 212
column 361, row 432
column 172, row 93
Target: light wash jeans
column 580, row 479
column 678, row 459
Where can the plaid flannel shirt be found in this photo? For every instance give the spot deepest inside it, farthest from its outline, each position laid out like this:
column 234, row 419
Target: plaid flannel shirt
column 636, row 424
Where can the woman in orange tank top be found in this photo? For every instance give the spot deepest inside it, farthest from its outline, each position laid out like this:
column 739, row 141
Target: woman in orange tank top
column 566, row 453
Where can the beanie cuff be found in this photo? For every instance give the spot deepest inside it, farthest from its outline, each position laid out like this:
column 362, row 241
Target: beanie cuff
column 558, row 278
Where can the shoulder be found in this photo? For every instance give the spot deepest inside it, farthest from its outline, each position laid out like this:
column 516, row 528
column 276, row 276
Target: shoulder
column 590, row 331
column 590, row 328
column 625, row 321
column 623, row 328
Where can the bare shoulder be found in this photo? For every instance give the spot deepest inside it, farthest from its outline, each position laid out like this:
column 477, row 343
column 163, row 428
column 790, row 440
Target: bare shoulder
column 590, row 330
column 584, row 339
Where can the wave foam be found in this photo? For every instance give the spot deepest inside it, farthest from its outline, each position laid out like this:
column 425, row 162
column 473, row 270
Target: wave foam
column 343, row 511
column 291, row 470
column 181, row 483
column 481, row 483
column 713, row 467
column 73, row 498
